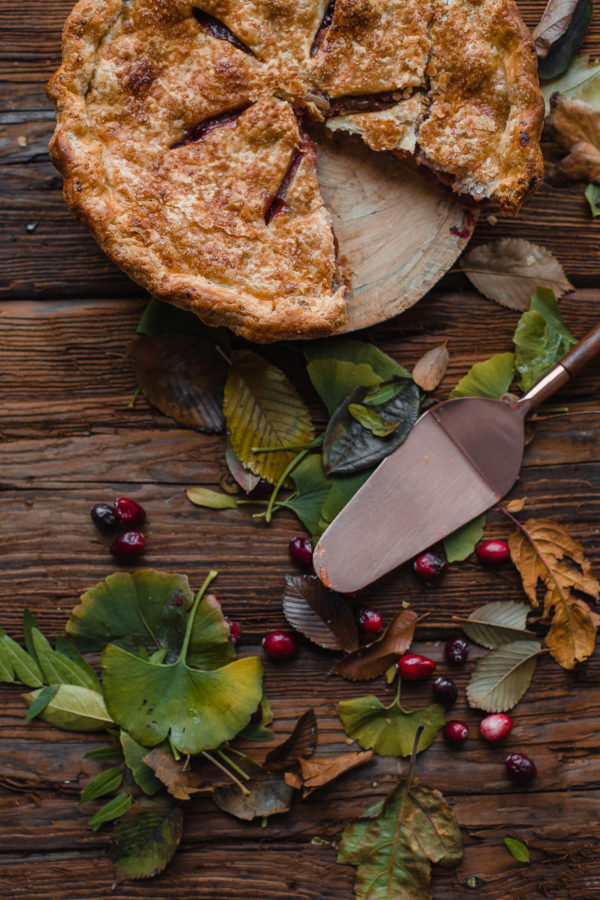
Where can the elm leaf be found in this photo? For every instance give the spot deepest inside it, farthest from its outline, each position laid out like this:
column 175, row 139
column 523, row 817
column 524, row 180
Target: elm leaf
column 201, row 496
column 74, row 708
column 115, row 808
column 263, row 409
column 372, row 660
column 540, row 339
column 501, row 678
column 490, row 378
column 462, row 542
column 390, row 730
column 497, row 623
column 323, row 617
column 146, row 838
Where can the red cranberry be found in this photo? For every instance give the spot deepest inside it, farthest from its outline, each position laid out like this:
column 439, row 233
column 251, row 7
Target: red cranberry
column 457, row 650
column 493, row 552
column 127, row 545
column 104, row 516
column 428, row 566
column 370, row 621
column 129, row 512
column 455, row 732
column 234, row 630
column 415, row 667
column 495, row 727
column 301, row 551
column 280, row 645
column 444, row 691
column 520, row 768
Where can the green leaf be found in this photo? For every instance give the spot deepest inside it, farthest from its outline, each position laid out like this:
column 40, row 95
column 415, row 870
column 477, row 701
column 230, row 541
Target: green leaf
column 44, row 696
column 581, row 81
column 592, row 195
column 146, row 838
column 394, row 843
column 104, row 783
column 263, row 409
column 490, row 378
column 313, row 487
column 60, row 669
column 196, row 709
column 497, row 623
column 260, row 731
column 357, row 353
column 115, row 808
column 74, row 708
column 564, row 49
column 164, row 318
column 390, row 730
column 16, row 664
column 371, row 420
column 540, row 339
column 64, row 646
column 517, row 849
column 501, row 678
column 134, row 757
column 200, row 496
column 144, row 607
column 462, row 542
column 102, row 754
column 29, row 622
column 334, row 379
column 342, row 490
column 348, row 447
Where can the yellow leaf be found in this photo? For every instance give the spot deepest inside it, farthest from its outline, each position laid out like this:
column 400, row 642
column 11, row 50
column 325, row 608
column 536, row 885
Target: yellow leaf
column 544, row 551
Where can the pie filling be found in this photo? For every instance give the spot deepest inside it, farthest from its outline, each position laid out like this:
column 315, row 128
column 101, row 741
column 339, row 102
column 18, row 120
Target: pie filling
column 219, row 30
column 279, row 202
column 199, row 131
column 323, row 28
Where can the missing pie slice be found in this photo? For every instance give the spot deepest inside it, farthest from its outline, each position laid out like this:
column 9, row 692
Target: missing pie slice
column 181, row 135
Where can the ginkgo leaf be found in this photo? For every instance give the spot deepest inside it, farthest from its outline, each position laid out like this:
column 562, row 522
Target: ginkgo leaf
column 497, row 623
column 196, row 709
column 146, row 837
column 358, row 353
column 263, row 409
column 312, row 486
column 544, row 551
column 501, row 678
column 74, row 708
column 394, row 843
column 431, row 368
column 462, row 542
column 333, row 379
column 489, row 378
column 390, row 730
column 509, row 270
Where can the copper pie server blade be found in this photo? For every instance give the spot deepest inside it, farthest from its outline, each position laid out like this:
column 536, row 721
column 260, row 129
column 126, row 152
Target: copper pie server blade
column 461, row 457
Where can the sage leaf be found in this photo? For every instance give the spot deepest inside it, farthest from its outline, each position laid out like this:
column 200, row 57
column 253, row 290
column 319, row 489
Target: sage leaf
column 592, row 195
column 501, row 678
column 263, row 409
column 16, row 664
column 102, row 754
column 60, row 669
column 134, row 754
column 29, row 623
column 44, row 696
column 394, row 843
column 497, row 623
column 334, row 379
column 115, row 808
column 490, row 378
column 74, row 708
column 322, row 616
column 104, row 783
column 517, row 849
column 201, row 496
column 390, row 730
column 66, row 648
column 540, row 339
column 462, row 542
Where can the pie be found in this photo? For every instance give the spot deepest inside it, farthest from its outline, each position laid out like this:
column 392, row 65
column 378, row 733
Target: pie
column 182, row 138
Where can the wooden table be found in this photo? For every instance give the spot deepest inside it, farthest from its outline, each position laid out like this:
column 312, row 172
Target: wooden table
column 69, row 439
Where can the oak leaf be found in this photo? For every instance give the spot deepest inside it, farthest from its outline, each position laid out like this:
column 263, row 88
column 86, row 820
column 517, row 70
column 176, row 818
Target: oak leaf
column 371, row 661
column 544, row 551
column 575, row 126
column 317, row 773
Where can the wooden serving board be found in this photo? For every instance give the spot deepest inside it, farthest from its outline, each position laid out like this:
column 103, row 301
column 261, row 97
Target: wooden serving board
column 398, row 232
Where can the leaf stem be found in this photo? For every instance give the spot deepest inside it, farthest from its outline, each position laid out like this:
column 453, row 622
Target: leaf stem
column 234, row 765
column 220, row 766
column 535, row 546
column 405, row 790
column 190, row 622
column 316, row 442
column 289, row 468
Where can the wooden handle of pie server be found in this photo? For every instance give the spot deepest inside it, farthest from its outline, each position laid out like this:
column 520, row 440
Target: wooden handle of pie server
column 583, row 353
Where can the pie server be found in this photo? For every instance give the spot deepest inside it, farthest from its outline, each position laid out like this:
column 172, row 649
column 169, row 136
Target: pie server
column 460, row 458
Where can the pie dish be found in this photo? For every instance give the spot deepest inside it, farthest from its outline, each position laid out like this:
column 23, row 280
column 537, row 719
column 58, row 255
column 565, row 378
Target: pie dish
column 181, row 135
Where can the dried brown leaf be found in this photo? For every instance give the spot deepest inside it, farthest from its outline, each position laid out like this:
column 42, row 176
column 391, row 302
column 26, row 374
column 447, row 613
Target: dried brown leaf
column 554, row 22
column 319, row 772
column 269, row 795
column 242, row 476
column 509, row 270
column 183, row 376
column 544, row 551
column 575, row 126
column 179, row 780
column 431, row 368
column 301, row 744
column 371, row 661
column 516, row 505
column 324, row 618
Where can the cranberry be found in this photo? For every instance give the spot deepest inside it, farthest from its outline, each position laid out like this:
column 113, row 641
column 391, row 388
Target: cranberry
column 455, row 732
column 129, row 512
column 428, row 566
column 520, row 768
column 234, row 630
column 127, row 545
column 444, row 691
column 495, row 727
column 457, row 650
column 370, row 621
column 493, row 552
column 301, row 551
column 104, row 516
column 415, row 667
column 256, row 717
column 280, row 645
